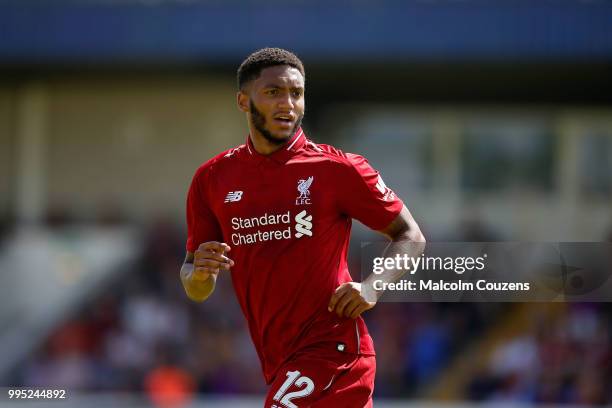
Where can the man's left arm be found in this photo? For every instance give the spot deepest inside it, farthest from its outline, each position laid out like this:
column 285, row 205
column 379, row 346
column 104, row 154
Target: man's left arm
column 405, row 237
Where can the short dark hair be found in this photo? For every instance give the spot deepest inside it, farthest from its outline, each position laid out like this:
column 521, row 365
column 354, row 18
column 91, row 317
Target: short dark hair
column 252, row 66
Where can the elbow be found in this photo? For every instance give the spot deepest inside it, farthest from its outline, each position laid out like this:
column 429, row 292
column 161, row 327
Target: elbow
column 194, row 294
column 422, row 242
column 196, row 291
column 411, row 234
column 196, row 298
column 414, row 237
column 421, row 237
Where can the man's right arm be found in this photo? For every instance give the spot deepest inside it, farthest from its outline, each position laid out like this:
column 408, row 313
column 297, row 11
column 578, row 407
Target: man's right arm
column 200, row 269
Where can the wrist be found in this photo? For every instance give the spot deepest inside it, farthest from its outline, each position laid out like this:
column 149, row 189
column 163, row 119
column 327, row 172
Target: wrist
column 367, row 289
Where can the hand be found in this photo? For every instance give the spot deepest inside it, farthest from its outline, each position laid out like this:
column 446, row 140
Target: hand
column 348, row 301
column 209, row 259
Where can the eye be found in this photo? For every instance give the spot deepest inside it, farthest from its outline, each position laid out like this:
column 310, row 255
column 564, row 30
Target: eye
column 296, row 93
column 272, row 92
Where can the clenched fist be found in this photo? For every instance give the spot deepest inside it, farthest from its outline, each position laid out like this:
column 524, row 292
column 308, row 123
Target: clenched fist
column 209, row 259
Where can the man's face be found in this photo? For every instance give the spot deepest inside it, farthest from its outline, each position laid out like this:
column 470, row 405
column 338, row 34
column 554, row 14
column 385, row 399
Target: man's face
column 276, row 102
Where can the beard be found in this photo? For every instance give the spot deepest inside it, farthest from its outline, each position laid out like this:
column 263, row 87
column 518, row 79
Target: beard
column 259, row 122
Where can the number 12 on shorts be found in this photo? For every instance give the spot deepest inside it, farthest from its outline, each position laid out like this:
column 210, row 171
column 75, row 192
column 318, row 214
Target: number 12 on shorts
column 293, row 377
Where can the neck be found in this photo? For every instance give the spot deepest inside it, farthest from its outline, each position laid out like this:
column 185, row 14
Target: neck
column 262, row 145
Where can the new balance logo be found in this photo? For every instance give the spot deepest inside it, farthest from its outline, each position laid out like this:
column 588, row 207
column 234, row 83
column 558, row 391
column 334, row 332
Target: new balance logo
column 233, row 196
column 303, row 224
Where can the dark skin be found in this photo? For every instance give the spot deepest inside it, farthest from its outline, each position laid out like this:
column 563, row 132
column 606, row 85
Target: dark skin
column 274, row 105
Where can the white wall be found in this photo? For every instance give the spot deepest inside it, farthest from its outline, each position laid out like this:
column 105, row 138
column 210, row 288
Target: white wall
column 131, row 144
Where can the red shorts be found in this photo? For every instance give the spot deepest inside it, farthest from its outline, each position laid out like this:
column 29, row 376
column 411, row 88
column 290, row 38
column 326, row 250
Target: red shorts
column 324, row 377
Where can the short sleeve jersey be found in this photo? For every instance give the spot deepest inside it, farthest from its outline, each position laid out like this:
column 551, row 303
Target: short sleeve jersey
column 287, row 217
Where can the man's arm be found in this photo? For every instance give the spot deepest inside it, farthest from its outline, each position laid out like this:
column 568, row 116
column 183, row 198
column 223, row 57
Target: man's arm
column 200, row 269
column 405, row 237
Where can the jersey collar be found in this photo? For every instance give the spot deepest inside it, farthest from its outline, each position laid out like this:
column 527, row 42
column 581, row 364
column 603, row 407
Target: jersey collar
column 283, row 154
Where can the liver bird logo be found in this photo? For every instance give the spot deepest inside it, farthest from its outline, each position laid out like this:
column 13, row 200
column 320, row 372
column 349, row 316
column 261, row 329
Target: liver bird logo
column 303, row 186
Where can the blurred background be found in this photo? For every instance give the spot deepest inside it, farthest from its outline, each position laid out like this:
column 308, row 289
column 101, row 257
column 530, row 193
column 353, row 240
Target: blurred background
column 492, row 120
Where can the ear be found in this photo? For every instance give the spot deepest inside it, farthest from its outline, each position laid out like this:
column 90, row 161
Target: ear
column 243, row 101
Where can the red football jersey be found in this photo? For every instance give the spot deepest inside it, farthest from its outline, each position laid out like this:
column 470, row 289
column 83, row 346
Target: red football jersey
column 287, row 217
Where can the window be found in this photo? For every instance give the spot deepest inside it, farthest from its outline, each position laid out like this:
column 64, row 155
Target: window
column 595, row 162
column 508, row 154
column 396, row 144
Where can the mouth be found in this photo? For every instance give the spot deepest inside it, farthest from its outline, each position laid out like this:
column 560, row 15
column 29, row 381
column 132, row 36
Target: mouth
column 284, row 119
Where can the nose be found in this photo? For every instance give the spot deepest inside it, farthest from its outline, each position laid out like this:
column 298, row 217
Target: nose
column 285, row 101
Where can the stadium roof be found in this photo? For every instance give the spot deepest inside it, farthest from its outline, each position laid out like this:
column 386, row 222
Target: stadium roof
column 183, row 31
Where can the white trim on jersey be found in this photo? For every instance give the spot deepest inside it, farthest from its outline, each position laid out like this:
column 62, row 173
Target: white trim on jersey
column 330, row 382
column 314, row 145
column 301, row 132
